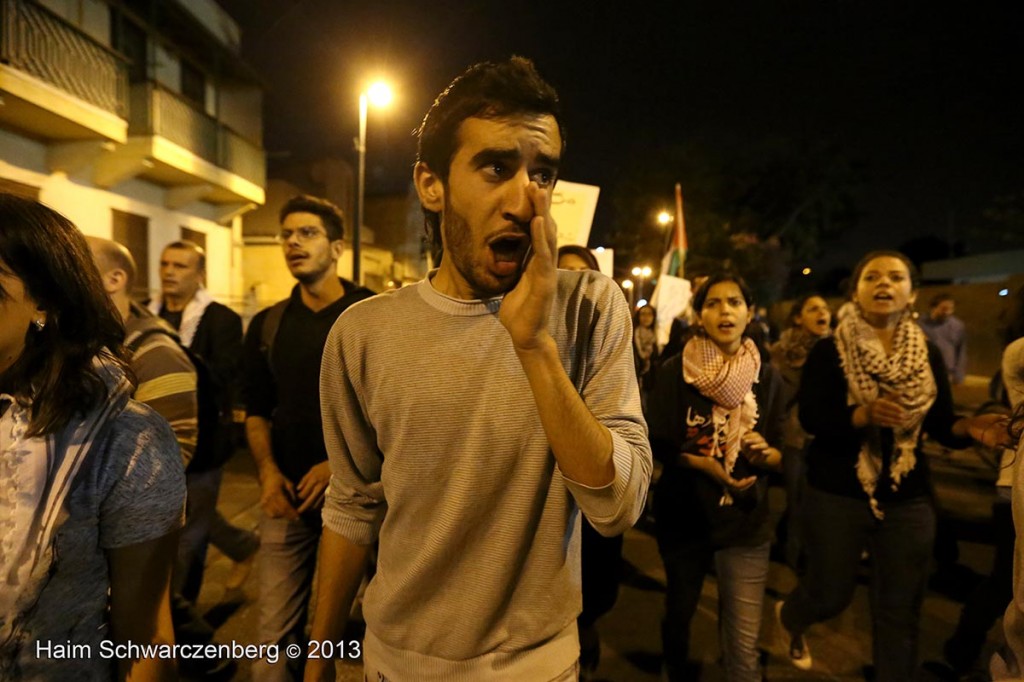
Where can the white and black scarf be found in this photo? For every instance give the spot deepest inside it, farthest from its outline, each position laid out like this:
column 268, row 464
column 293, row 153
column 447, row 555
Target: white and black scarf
column 728, row 383
column 902, row 375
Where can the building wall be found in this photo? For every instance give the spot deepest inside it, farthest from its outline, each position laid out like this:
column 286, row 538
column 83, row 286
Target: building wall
column 89, row 207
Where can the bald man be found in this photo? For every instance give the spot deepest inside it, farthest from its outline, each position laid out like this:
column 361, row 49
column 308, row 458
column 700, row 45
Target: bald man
column 166, row 377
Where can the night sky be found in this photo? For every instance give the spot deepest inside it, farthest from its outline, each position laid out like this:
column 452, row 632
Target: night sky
column 925, row 100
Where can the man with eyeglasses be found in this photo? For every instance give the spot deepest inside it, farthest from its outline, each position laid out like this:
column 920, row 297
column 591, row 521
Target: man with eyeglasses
column 281, row 390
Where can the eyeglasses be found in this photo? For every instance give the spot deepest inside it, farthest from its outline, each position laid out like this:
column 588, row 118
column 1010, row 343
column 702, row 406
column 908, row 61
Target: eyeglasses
column 304, row 233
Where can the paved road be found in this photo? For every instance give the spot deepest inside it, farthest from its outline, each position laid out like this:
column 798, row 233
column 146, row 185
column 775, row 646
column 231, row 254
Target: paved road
column 630, row 633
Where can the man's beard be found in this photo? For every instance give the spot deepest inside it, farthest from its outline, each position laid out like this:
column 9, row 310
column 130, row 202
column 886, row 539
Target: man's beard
column 458, row 240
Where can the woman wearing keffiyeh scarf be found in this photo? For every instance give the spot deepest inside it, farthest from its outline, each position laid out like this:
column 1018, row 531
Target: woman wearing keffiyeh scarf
column 91, row 482
column 708, row 412
column 866, row 396
column 810, row 318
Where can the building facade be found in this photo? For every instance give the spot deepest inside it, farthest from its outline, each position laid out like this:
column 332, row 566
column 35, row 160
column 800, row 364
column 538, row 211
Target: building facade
column 138, row 121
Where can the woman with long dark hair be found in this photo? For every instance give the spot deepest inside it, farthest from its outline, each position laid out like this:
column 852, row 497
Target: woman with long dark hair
column 866, row 395
column 715, row 411
column 91, row 482
column 810, row 321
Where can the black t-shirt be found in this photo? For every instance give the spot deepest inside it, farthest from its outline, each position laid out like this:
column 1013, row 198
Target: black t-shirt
column 290, row 395
column 687, row 500
column 174, row 318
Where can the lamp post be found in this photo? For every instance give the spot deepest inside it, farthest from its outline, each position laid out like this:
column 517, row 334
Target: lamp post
column 643, row 273
column 627, row 284
column 380, row 95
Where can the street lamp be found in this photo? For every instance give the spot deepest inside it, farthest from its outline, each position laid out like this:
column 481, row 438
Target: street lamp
column 643, row 273
column 380, row 95
column 664, row 218
column 627, row 284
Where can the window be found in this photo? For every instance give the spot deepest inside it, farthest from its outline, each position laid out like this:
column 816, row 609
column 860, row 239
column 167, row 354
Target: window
column 133, row 231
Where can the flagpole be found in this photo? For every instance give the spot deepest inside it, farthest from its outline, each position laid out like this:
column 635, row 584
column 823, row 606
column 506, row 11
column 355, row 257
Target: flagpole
column 680, row 235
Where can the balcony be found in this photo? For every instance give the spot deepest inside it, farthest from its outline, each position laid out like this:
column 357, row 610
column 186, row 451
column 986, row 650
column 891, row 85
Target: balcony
column 56, row 82
column 192, row 151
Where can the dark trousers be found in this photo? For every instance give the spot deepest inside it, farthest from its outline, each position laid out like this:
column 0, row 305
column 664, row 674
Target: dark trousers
column 836, row 530
column 990, row 597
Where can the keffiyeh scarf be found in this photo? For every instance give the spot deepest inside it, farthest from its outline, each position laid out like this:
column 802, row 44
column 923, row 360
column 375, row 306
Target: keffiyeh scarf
column 903, row 375
column 728, row 383
column 793, row 346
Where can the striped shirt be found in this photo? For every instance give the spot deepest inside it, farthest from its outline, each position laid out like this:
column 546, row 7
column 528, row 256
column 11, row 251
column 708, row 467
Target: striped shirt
column 165, row 375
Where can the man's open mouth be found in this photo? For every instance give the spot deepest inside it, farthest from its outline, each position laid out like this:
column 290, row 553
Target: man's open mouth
column 508, row 250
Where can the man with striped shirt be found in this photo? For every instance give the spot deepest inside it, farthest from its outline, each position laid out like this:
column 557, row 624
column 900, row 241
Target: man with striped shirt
column 471, row 417
column 166, row 377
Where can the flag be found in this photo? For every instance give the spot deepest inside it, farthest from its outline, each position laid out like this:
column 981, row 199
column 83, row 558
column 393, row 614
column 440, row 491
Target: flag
column 674, row 260
column 672, row 293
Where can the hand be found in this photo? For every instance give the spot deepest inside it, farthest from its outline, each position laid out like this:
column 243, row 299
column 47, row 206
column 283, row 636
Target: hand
column 989, row 429
column 313, row 485
column 757, row 451
column 277, row 494
column 885, row 412
column 525, row 310
column 713, row 468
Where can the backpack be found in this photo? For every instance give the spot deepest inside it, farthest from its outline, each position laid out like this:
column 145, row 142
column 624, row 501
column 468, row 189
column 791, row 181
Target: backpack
column 268, row 332
column 209, row 421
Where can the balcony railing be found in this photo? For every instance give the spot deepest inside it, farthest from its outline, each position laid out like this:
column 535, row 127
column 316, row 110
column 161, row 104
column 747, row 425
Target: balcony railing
column 157, row 111
column 40, row 43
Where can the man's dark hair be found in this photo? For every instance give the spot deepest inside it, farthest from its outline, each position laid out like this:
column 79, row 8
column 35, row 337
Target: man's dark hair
column 50, row 256
column 485, row 90
column 938, row 299
column 189, row 245
column 329, row 214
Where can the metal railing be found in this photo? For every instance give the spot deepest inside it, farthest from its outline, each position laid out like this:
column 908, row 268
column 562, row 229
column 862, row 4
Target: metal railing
column 35, row 40
column 158, row 111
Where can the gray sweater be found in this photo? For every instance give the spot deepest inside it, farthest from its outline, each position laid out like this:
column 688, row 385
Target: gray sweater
column 436, row 447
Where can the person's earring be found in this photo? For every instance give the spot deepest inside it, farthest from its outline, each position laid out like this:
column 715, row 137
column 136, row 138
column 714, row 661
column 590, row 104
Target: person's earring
column 40, row 323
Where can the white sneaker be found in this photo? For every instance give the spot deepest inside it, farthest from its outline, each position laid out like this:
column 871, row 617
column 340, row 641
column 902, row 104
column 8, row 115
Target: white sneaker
column 794, row 647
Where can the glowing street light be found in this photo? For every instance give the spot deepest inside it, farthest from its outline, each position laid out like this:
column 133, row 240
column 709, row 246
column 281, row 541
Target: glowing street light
column 643, row 273
column 806, row 271
column 380, row 95
column 627, row 284
column 664, row 218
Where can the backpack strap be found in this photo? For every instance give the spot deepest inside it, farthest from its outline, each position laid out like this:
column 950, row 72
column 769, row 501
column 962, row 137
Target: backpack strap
column 271, row 323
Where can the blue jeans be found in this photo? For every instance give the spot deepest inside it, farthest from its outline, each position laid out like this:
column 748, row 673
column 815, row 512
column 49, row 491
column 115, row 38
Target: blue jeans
column 836, row 530
column 203, row 525
column 287, row 562
column 742, row 574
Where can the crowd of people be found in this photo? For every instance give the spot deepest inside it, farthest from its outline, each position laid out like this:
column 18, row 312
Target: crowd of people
column 464, row 455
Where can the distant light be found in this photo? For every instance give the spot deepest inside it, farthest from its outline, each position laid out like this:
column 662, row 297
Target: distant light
column 806, row 271
column 599, row 249
column 1004, row 292
column 636, row 271
column 641, row 303
column 664, row 218
column 379, row 94
column 627, row 284
column 646, row 272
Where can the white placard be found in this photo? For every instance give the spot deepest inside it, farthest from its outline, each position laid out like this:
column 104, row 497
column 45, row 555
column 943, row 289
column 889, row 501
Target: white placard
column 573, row 206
